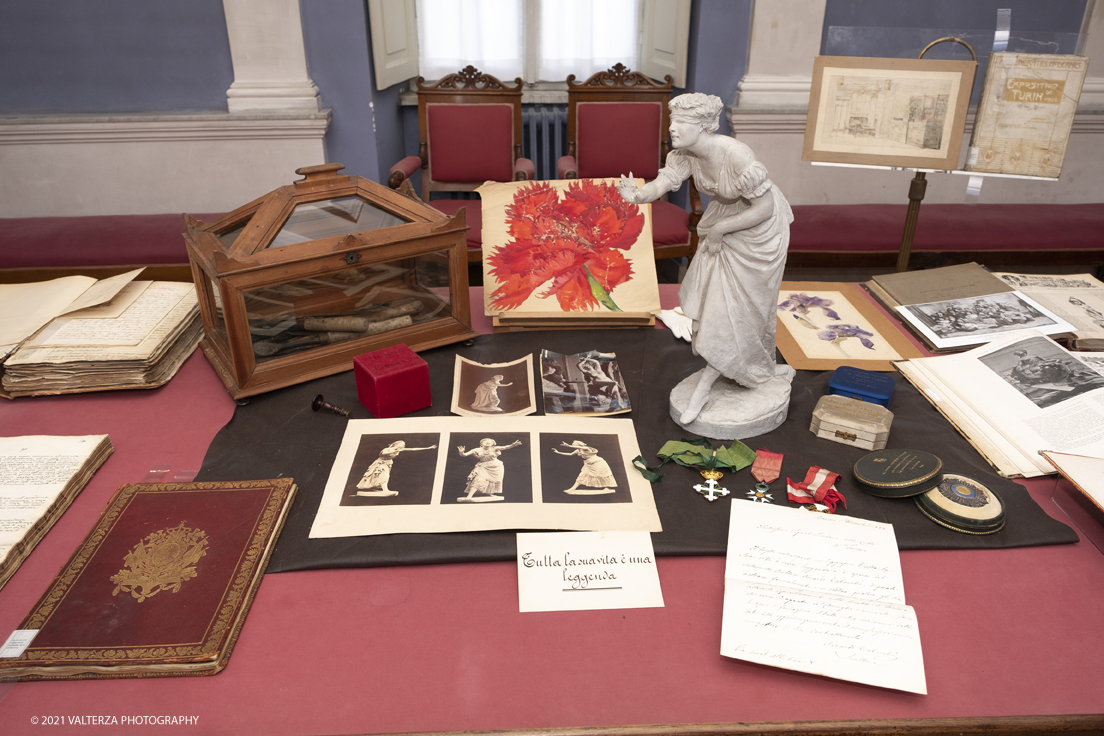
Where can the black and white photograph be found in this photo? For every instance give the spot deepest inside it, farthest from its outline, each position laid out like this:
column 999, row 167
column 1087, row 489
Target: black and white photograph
column 587, row 383
column 1042, row 371
column 415, row 475
column 582, row 468
column 495, row 389
column 481, row 468
column 981, row 319
column 392, row 469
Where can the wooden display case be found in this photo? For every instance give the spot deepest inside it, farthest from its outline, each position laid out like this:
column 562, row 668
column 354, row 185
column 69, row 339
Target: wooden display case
column 294, row 285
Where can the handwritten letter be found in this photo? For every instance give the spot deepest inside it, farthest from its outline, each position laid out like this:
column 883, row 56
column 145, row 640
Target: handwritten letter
column 819, row 594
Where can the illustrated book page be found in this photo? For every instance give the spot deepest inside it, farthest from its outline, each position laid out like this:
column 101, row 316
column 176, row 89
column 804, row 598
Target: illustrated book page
column 556, row 248
column 1076, row 298
column 825, row 325
column 1025, row 113
column 39, row 477
column 160, row 586
column 1016, row 396
column 962, row 323
column 493, row 389
column 584, row 384
column 820, row 594
column 454, row 474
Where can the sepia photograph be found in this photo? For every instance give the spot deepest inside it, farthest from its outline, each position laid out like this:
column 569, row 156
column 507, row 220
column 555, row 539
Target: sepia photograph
column 1043, row 372
column 488, row 469
column 586, row 384
column 582, row 468
column 980, row 319
column 888, row 112
column 392, row 469
column 494, row 389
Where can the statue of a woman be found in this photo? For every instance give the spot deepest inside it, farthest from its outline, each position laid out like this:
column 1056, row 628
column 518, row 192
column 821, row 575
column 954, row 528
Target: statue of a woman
column 486, row 395
column 487, row 475
column 731, row 287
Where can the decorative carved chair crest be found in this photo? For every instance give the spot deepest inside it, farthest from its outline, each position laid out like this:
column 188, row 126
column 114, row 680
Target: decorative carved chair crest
column 469, row 79
column 619, row 75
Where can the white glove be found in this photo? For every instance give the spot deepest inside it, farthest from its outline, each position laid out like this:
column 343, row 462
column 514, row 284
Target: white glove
column 677, row 322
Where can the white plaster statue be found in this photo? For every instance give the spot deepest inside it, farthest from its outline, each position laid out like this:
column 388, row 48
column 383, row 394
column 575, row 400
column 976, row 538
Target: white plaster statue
column 731, row 287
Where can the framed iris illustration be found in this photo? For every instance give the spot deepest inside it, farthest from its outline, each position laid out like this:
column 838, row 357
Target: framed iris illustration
column 822, row 326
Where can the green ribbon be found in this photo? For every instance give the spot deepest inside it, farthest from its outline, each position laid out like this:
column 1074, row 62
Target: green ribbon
column 697, row 454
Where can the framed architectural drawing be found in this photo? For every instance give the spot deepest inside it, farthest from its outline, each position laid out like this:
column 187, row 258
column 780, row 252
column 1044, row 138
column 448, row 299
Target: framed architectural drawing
column 454, row 474
column 1025, row 113
column 825, row 325
column 888, row 112
column 572, row 253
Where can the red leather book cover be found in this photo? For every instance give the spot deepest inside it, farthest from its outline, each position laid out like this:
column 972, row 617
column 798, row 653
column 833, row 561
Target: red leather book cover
column 160, row 586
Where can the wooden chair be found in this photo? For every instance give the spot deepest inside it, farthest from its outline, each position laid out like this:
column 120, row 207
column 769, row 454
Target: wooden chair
column 617, row 122
column 469, row 132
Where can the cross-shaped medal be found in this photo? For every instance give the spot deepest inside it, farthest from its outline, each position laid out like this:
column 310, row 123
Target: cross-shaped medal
column 710, row 490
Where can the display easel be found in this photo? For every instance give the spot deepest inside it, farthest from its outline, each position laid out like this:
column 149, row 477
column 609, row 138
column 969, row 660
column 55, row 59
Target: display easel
column 918, row 185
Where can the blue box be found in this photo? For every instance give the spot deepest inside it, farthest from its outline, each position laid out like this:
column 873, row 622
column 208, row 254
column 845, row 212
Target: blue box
column 856, row 383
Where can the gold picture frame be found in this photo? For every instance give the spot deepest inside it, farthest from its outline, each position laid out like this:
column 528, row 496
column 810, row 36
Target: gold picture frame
column 888, row 112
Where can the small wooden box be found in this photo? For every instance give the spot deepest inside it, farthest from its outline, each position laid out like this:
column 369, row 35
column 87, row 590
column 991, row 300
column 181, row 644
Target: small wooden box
column 295, row 284
column 392, row 382
column 851, row 422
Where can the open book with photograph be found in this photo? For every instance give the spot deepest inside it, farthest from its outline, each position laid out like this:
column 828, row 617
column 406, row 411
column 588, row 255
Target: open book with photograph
column 1015, row 397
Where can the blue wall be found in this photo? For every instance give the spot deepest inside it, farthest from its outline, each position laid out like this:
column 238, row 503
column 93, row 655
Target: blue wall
column 335, row 33
column 720, row 34
column 84, row 56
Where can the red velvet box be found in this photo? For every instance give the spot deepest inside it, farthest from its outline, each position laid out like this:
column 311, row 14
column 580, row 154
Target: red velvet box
column 392, row 382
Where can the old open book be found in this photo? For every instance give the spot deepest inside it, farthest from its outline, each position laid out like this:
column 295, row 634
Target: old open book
column 1015, row 397
column 39, row 477
column 135, row 334
column 160, row 587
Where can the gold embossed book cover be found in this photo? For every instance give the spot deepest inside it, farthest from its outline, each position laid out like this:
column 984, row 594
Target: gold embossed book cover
column 161, row 585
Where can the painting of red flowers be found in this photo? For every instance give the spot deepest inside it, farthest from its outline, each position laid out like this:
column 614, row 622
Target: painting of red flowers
column 565, row 246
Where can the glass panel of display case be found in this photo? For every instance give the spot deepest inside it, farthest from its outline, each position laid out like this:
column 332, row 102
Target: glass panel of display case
column 230, row 236
column 217, row 316
column 347, row 305
column 332, row 217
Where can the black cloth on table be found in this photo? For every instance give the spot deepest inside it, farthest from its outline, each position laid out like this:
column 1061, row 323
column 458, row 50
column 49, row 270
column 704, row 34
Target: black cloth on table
column 278, row 435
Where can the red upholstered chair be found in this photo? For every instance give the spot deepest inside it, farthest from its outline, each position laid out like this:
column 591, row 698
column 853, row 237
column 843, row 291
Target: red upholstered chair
column 469, row 132
column 617, row 122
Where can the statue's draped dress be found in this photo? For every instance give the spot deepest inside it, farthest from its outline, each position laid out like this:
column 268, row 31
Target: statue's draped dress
column 732, row 295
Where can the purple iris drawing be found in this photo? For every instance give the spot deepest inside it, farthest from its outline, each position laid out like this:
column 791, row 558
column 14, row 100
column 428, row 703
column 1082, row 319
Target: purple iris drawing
column 802, row 304
column 837, row 334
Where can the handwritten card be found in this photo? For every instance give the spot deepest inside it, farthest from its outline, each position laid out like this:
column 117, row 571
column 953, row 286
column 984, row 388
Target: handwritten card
column 579, row 571
column 819, row 594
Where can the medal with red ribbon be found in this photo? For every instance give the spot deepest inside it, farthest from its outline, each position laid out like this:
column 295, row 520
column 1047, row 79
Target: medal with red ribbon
column 818, row 489
column 765, row 469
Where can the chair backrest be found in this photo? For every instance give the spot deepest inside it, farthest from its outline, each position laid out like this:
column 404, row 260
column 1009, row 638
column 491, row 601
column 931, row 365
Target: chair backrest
column 469, row 131
column 617, row 122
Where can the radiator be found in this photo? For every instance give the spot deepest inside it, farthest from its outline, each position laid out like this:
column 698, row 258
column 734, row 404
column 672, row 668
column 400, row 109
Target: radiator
column 544, row 132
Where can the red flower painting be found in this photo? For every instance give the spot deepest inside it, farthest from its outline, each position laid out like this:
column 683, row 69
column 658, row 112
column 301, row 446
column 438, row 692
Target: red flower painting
column 576, row 244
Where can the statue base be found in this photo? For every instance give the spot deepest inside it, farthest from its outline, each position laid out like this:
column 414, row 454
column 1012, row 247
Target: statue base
column 735, row 412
